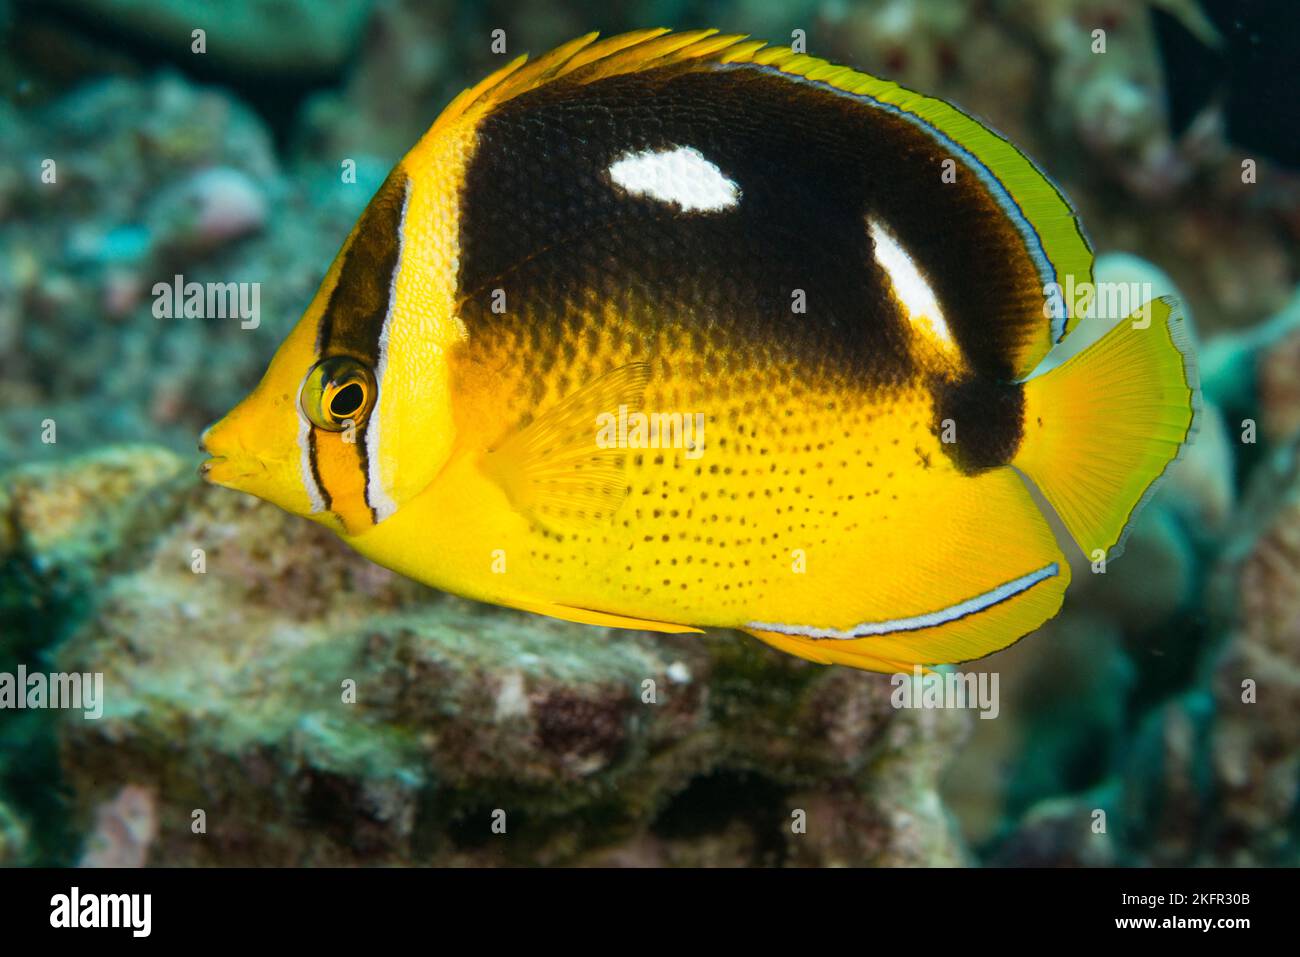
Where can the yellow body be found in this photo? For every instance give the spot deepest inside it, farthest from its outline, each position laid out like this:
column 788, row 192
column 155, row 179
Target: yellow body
column 808, row 507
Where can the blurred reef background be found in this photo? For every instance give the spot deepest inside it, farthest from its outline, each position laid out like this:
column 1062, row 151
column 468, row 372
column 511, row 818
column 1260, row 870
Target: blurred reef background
column 1166, row 695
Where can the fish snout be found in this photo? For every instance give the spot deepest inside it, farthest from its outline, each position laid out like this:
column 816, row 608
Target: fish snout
column 203, row 440
column 207, row 465
column 227, row 460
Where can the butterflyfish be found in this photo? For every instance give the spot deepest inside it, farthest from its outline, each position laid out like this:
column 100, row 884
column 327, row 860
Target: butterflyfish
column 677, row 330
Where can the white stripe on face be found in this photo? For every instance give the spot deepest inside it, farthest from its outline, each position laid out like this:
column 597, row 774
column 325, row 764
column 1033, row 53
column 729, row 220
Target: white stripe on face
column 304, row 462
column 681, row 176
column 381, row 503
column 932, row 619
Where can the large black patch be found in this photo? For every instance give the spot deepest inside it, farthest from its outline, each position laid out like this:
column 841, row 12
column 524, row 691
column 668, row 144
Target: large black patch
column 542, row 220
column 988, row 421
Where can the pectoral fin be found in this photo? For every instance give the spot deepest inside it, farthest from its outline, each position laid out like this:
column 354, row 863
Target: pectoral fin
column 557, row 470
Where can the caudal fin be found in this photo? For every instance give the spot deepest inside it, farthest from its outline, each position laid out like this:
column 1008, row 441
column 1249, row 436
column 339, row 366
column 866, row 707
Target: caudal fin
column 1101, row 429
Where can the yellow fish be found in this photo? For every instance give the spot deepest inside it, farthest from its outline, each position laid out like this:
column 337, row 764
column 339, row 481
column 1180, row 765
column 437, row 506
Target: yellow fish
column 678, row 330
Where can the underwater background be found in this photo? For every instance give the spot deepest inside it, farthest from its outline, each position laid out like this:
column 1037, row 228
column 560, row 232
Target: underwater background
column 1155, row 721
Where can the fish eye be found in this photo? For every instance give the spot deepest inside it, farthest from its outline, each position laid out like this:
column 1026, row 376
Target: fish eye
column 338, row 390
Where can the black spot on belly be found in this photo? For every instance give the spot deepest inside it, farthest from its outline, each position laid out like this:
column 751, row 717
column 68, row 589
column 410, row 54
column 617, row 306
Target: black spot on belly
column 983, row 417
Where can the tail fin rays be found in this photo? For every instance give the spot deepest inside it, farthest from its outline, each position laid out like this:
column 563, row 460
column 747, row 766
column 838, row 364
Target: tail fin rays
column 1103, row 428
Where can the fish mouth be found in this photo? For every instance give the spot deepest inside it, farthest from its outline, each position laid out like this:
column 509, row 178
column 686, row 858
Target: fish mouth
column 222, row 469
column 229, row 473
column 218, row 470
column 213, row 462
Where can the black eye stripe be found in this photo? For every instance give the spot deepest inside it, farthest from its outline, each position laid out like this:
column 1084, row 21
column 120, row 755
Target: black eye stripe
column 359, row 302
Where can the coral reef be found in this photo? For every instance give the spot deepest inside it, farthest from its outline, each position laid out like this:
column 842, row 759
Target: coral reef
column 264, row 37
column 188, row 191
column 1256, row 680
column 327, row 711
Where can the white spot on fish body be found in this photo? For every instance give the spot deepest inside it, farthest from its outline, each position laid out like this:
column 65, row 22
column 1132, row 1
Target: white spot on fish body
column 681, row 176
column 910, row 286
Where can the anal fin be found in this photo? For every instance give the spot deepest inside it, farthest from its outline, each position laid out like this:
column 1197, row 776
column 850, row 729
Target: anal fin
column 825, row 653
column 589, row 616
column 967, row 576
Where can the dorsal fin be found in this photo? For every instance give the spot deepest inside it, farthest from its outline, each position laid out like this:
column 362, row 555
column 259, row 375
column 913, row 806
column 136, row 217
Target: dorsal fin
column 587, row 59
column 1043, row 216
